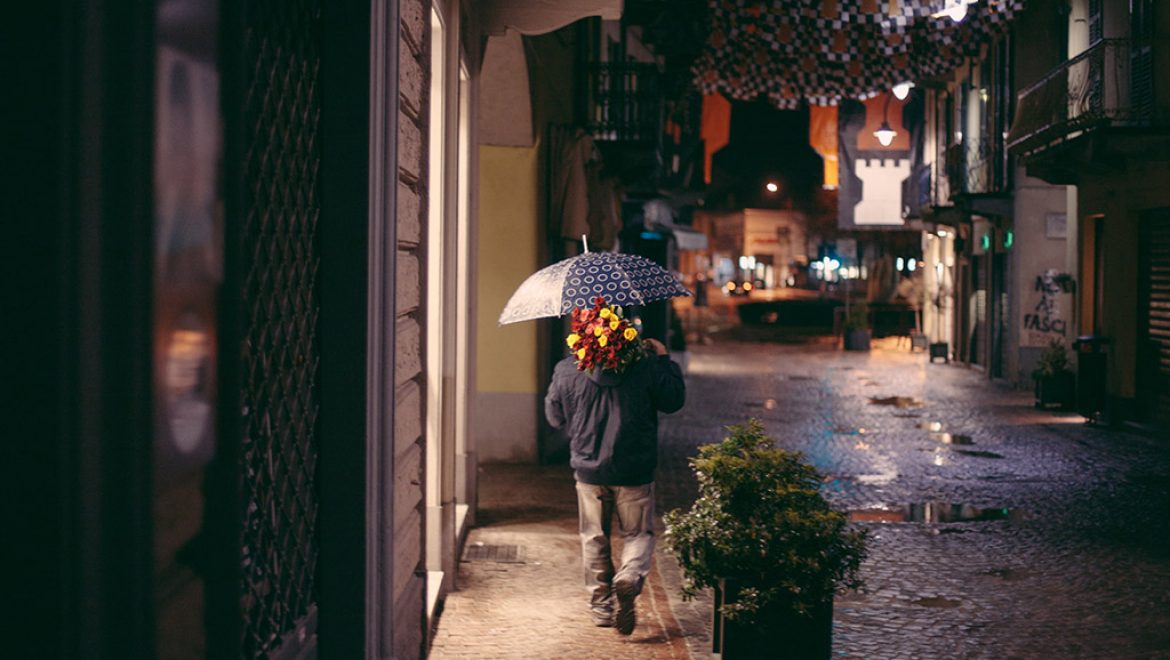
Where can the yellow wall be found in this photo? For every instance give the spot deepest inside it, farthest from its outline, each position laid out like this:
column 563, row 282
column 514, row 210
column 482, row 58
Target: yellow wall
column 509, row 212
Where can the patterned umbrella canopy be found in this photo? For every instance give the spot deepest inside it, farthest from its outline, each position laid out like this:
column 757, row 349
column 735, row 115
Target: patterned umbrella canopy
column 622, row 279
column 822, row 51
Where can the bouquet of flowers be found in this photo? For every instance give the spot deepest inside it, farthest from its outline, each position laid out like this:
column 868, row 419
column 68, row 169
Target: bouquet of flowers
column 602, row 338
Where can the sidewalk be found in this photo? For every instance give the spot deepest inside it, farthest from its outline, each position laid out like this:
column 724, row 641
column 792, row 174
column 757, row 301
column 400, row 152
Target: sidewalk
column 520, row 592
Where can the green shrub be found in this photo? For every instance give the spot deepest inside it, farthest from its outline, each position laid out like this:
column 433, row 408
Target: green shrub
column 1053, row 361
column 761, row 521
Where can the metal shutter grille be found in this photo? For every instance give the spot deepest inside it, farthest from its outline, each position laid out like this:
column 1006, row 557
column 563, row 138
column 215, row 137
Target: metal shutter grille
column 280, row 354
column 1157, row 246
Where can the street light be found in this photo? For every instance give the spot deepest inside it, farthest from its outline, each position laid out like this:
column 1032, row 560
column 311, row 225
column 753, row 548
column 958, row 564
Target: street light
column 772, row 187
column 885, row 134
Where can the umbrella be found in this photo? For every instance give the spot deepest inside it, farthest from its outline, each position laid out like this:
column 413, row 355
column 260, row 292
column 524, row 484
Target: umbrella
column 622, row 279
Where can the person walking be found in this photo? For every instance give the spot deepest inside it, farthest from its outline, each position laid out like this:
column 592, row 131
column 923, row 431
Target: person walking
column 606, row 397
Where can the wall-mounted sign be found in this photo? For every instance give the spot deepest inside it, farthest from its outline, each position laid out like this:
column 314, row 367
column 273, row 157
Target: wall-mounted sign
column 1056, row 225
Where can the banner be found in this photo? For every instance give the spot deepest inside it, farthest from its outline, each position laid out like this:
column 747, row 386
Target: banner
column 872, row 175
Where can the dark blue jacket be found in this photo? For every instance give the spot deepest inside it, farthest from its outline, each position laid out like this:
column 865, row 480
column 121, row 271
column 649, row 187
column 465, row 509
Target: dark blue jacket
column 611, row 420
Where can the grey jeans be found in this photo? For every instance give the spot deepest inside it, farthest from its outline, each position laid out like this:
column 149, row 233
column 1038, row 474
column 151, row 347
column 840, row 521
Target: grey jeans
column 596, row 506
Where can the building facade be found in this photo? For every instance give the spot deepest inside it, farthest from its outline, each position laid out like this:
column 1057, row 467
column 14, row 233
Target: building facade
column 253, row 311
column 1097, row 122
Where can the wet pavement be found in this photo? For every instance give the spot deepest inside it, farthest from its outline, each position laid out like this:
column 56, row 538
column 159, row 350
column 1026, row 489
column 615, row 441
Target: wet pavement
column 999, row 531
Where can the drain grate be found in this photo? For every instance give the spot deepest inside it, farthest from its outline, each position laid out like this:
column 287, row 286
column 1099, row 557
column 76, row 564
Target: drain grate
column 500, row 554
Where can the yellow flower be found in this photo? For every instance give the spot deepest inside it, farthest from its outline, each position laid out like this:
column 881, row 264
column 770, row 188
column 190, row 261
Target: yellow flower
column 605, row 313
column 629, row 334
column 580, row 354
column 597, row 330
column 613, row 325
column 602, row 341
column 572, row 339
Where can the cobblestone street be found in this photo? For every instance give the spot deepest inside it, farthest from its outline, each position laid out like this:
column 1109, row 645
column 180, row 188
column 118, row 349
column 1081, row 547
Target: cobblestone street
column 1077, row 566
column 999, row 531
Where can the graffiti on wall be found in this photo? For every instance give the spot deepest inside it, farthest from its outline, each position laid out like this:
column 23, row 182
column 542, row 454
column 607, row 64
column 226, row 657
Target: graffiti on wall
column 1047, row 318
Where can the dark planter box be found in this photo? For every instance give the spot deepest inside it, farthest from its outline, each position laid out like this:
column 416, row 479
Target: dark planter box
column 857, row 340
column 918, row 341
column 1057, row 390
column 777, row 632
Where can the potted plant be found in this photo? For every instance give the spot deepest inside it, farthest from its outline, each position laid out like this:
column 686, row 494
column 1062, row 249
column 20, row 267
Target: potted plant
column 856, row 328
column 1055, row 382
column 763, row 536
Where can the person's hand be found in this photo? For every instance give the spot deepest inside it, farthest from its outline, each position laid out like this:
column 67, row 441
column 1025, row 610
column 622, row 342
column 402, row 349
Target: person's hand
column 659, row 349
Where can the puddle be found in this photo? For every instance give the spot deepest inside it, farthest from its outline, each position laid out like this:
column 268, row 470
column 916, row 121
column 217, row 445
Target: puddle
column 934, row 512
column 801, row 378
column 907, row 415
column 766, row 404
column 899, row 401
column 1008, row 574
column 846, row 430
column 953, row 439
column 978, row 453
column 937, row 601
column 934, row 427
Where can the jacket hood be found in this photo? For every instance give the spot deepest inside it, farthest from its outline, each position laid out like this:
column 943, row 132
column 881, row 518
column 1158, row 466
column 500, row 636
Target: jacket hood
column 605, row 378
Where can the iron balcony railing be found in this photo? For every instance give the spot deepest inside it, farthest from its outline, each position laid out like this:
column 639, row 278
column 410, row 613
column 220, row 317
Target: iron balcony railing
column 1110, row 84
column 623, row 101
column 975, row 166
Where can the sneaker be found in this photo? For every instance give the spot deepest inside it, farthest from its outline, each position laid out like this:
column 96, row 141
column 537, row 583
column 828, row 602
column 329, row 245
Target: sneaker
column 625, row 619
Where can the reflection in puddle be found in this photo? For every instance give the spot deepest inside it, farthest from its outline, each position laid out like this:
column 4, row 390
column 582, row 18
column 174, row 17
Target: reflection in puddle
column 846, row 430
column 934, row 512
column 937, row 601
column 978, row 453
column 899, row 401
column 952, row 439
column 933, row 427
column 767, row 404
column 1008, row 574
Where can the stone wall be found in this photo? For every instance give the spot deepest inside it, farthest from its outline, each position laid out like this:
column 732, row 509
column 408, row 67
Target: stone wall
column 409, row 596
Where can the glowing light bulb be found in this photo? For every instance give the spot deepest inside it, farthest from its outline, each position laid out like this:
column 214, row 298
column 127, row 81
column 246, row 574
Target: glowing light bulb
column 885, row 135
column 902, row 90
column 772, row 187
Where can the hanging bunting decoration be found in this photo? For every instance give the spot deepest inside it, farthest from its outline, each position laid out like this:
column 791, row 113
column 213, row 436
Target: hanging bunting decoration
column 822, row 51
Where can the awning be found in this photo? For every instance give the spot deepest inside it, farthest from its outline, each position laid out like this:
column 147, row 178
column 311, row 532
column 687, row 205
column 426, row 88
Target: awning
column 684, row 237
column 542, row 16
column 690, row 240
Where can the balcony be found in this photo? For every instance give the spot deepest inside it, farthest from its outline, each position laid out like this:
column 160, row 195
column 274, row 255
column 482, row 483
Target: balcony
column 976, row 166
column 1109, row 86
column 623, row 102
